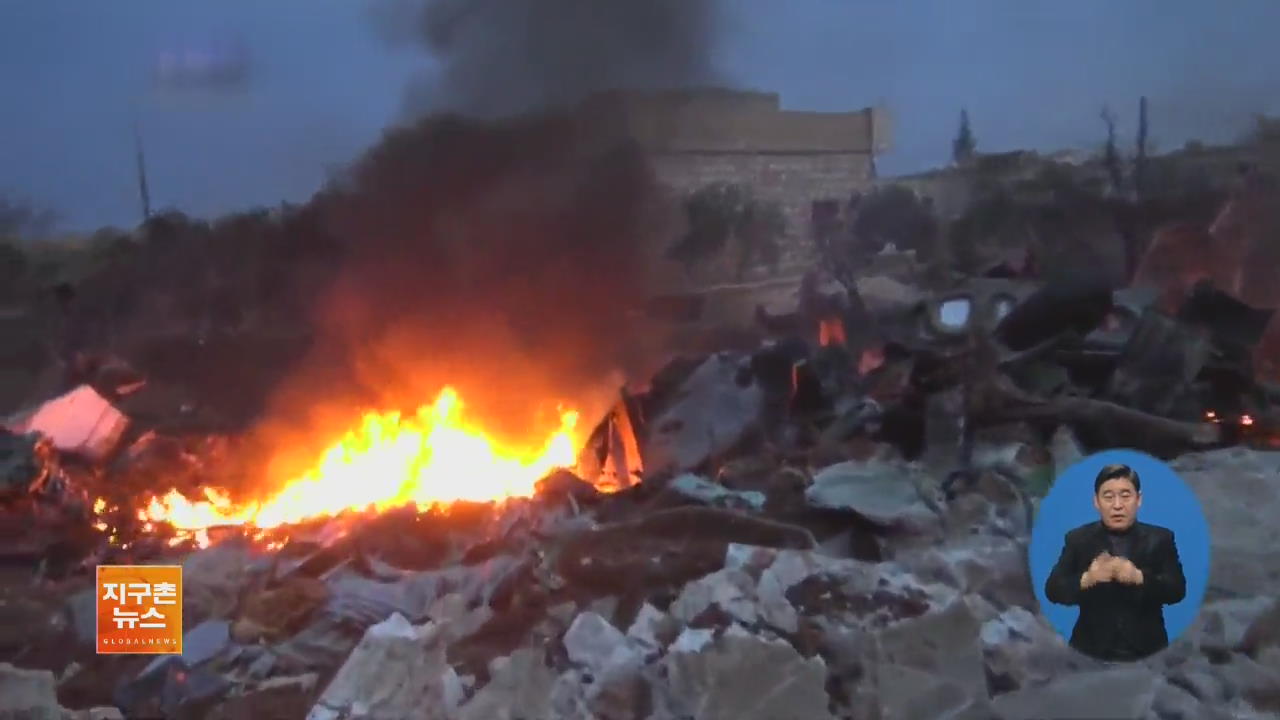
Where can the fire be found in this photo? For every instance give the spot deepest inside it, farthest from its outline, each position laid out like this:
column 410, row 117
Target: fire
column 831, row 332
column 434, row 457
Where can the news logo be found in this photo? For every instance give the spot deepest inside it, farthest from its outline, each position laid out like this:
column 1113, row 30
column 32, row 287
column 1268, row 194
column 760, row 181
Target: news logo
column 139, row 609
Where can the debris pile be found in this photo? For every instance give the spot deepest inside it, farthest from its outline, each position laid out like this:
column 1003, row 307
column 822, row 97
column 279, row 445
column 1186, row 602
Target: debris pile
column 817, row 527
column 780, row 557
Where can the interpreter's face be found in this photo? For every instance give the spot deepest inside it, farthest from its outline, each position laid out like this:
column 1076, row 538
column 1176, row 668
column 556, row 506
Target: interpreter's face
column 1117, row 502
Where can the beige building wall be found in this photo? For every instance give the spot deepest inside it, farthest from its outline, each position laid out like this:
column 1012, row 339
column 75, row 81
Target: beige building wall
column 698, row 137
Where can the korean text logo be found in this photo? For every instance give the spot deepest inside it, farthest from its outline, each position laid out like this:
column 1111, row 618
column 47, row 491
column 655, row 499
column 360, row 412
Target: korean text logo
column 139, row 609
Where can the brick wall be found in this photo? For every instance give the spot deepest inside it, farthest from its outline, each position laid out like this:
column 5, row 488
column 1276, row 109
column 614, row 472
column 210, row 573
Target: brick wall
column 794, row 180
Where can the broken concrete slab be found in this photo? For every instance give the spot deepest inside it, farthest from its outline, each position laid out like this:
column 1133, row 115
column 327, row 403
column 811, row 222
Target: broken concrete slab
column 1119, row 691
column 731, row 590
column 705, row 492
column 81, row 422
column 740, row 676
column 1222, row 625
column 993, row 567
column 1242, row 535
column 1021, row 650
column 711, row 411
column 912, row 694
column 597, row 645
column 882, row 492
column 650, row 627
column 519, row 687
column 857, row 592
column 1172, row 702
column 397, row 671
column 1263, row 633
column 944, row 644
column 28, row 694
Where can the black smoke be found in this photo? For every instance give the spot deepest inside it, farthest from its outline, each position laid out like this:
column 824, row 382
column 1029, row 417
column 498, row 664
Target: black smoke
column 499, row 57
column 505, row 254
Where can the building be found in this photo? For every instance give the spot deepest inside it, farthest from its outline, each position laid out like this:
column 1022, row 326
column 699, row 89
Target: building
column 796, row 159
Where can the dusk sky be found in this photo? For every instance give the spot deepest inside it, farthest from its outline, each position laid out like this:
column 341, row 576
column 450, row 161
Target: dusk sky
column 323, row 84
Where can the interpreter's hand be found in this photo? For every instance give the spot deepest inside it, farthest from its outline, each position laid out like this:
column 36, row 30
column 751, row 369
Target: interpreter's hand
column 1126, row 572
column 1101, row 570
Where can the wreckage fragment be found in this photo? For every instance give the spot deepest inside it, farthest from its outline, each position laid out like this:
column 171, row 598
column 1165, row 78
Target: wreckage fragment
column 24, row 464
column 714, row 408
column 81, row 422
column 611, row 458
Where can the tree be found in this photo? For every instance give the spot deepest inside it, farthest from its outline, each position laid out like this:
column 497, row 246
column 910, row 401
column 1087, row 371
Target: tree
column 1140, row 157
column 963, row 147
column 720, row 212
column 19, row 220
column 1110, row 154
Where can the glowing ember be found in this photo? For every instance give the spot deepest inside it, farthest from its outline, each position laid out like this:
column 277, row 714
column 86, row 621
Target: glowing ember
column 433, row 458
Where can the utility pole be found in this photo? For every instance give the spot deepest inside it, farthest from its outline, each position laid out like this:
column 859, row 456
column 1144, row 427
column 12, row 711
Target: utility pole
column 143, row 193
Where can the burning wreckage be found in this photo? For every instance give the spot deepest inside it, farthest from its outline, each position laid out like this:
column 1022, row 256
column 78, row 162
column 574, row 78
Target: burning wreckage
column 802, row 531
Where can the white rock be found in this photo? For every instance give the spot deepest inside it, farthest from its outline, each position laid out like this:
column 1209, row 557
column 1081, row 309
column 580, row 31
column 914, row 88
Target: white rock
column 1243, row 535
column 28, row 694
column 519, row 687
column 732, row 590
column 709, row 493
column 692, row 640
column 398, row 670
column 944, row 644
column 645, row 627
column 743, row 677
column 1116, row 692
column 879, row 491
column 596, row 644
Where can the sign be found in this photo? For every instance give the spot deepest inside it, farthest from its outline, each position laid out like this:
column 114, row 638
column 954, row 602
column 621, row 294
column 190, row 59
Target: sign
column 139, row 609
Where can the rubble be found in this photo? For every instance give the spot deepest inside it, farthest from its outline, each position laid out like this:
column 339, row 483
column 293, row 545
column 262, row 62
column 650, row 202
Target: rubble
column 743, row 676
column 874, row 490
column 397, row 671
column 28, row 693
column 21, row 465
column 708, row 493
column 796, row 530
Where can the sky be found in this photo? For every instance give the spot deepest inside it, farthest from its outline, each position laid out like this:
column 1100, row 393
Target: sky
column 1032, row 74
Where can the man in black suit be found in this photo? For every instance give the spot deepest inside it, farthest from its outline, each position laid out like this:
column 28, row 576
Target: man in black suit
column 1120, row 572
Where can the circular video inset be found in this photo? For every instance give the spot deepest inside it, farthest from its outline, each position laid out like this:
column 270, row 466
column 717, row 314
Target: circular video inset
column 1120, row 555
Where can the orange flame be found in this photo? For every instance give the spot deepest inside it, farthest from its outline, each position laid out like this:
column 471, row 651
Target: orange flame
column 831, row 332
column 435, row 457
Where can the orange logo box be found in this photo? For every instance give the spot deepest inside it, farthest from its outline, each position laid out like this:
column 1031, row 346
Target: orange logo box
column 139, row 609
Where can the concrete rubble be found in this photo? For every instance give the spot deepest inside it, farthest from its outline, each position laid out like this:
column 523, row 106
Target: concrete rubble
column 941, row 625
column 791, row 532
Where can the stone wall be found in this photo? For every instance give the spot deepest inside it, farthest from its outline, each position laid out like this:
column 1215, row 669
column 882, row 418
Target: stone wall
column 699, row 137
column 793, row 180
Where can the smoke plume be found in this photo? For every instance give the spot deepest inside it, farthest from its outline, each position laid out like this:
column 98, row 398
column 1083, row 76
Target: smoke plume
column 503, row 256
column 498, row 57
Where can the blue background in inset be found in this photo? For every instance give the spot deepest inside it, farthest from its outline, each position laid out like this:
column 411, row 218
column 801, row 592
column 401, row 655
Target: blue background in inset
column 1166, row 501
